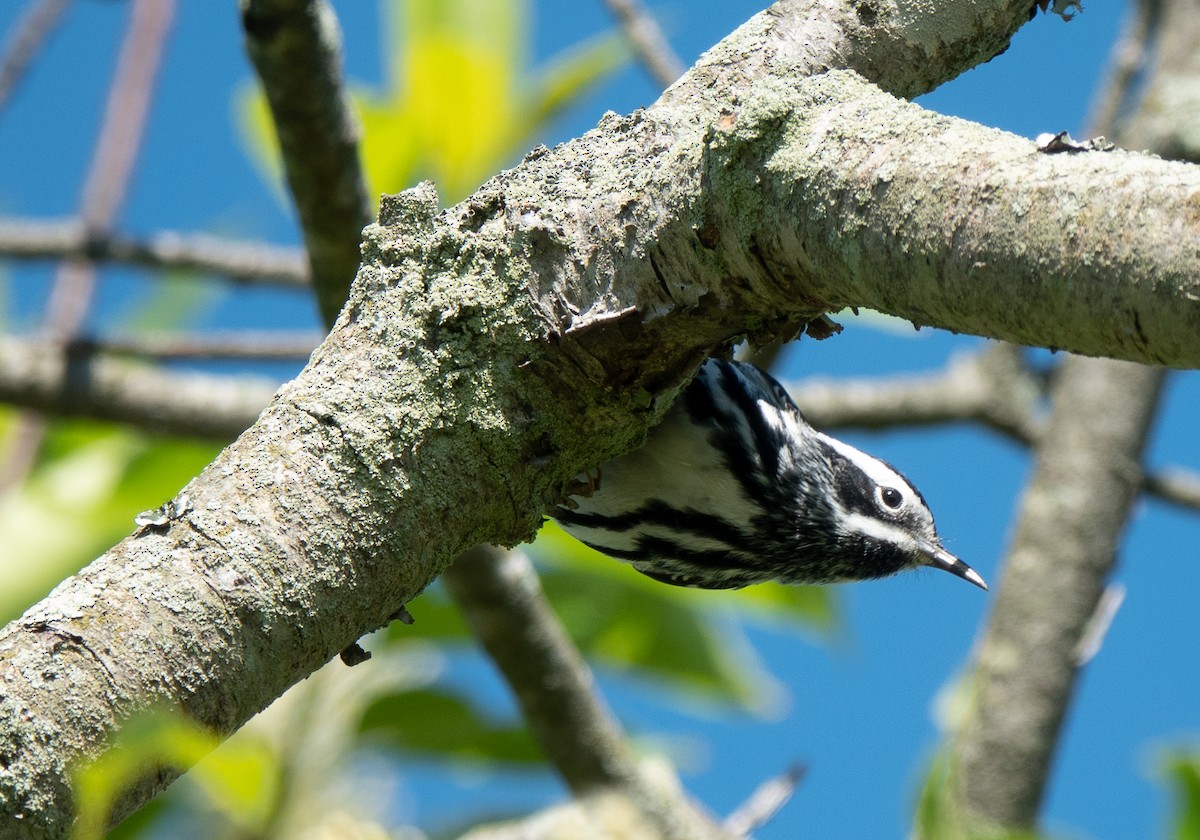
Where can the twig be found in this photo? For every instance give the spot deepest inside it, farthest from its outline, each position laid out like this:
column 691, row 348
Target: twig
column 28, row 36
column 240, row 345
column 765, row 802
column 1126, row 62
column 1176, row 485
column 124, row 122
column 295, row 45
column 647, row 40
column 1097, row 626
column 103, row 191
column 240, row 261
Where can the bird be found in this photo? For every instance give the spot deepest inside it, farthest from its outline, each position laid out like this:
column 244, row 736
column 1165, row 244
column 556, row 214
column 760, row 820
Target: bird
column 734, row 487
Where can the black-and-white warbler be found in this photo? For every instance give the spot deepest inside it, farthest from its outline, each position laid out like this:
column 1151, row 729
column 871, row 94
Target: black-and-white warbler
column 735, row 488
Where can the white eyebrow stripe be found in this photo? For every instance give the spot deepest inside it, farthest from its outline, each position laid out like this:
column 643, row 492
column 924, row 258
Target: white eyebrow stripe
column 875, row 469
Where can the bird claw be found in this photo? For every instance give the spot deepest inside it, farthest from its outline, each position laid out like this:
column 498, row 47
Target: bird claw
column 584, row 484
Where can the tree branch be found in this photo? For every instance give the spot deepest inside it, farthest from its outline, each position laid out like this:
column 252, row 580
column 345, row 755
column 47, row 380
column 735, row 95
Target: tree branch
column 1074, row 511
column 295, row 46
column 28, row 36
column 42, row 377
column 260, row 346
column 647, row 39
column 991, row 387
column 102, row 195
column 251, row 263
column 501, row 597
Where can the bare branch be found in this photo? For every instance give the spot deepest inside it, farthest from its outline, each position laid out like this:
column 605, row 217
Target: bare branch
column 1127, row 61
column 647, row 40
column 40, row 376
column 251, row 263
column 1176, row 485
column 764, row 803
column 238, row 345
column 107, row 179
column 1071, row 520
column 992, row 387
column 28, row 36
column 501, row 598
column 124, row 121
column 295, row 46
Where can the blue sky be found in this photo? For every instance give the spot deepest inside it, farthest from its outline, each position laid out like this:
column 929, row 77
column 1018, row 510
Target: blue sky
column 859, row 714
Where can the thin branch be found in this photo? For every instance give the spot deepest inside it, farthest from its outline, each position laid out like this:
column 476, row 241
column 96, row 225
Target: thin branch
column 1127, row 61
column 1176, row 485
column 28, row 36
column 41, row 377
column 123, row 126
column 251, row 263
column 766, row 801
column 276, row 346
column 501, row 598
column 992, row 387
column 647, row 40
column 103, row 190
column 295, row 45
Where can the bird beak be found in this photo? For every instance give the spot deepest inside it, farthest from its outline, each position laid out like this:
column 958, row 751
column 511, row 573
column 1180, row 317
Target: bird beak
column 939, row 558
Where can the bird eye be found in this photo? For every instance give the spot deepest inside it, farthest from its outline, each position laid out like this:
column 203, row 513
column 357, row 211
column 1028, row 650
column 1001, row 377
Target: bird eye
column 891, row 497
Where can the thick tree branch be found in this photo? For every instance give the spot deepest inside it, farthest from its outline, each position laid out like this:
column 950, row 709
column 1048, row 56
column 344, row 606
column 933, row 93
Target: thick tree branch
column 295, row 46
column 242, row 262
column 1074, row 511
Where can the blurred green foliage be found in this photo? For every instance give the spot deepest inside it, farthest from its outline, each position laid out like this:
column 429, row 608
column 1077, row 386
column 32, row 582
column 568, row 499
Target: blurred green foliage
column 458, row 99
column 1181, row 770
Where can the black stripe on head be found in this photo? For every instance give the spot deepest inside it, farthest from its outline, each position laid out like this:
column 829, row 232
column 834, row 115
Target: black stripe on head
column 852, row 487
column 754, row 462
column 738, row 382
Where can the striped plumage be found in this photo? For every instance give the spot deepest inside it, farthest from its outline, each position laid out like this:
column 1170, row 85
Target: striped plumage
column 735, row 488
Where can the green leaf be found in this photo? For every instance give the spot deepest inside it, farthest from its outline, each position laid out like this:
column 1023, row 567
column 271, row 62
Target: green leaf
column 1182, row 770
column 569, row 74
column 240, row 779
column 89, row 482
column 457, row 101
column 442, row 725
column 690, row 638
